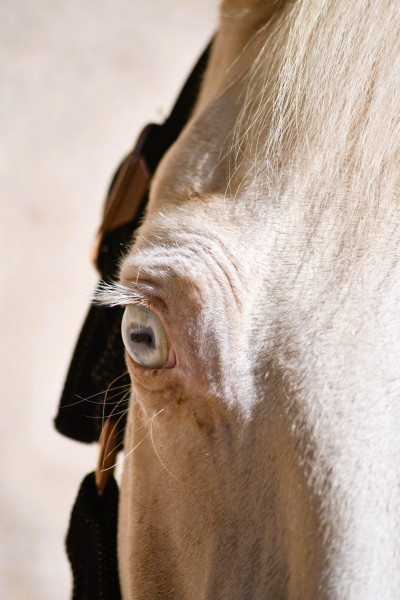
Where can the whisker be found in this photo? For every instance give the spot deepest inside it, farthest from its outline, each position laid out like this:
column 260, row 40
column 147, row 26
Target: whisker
column 112, row 414
column 89, row 401
column 102, row 393
column 110, row 389
column 120, row 461
column 136, row 430
column 114, row 429
column 118, row 387
column 155, row 449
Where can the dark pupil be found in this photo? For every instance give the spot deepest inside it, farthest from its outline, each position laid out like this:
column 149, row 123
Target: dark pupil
column 142, row 338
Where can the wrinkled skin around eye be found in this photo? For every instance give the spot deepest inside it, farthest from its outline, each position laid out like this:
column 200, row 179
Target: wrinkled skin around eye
column 144, row 337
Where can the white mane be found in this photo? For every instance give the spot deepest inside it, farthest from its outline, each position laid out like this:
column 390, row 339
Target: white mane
column 321, row 113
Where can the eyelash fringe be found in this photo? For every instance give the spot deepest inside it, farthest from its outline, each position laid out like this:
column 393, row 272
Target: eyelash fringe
column 118, row 294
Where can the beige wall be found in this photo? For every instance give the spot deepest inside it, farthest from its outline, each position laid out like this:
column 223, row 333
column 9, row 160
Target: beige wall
column 78, row 79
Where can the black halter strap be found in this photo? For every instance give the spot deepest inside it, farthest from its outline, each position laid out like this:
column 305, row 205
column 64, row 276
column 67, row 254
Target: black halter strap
column 98, row 360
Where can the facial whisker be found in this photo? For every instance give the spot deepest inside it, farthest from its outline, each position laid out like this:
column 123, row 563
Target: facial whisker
column 118, row 462
column 89, row 398
column 109, row 388
column 155, row 449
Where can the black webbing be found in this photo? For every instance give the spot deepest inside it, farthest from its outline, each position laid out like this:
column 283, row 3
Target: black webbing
column 92, row 542
column 98, row 360
column 97, row 364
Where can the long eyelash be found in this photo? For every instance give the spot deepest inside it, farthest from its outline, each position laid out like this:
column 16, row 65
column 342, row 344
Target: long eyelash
column 118, row 294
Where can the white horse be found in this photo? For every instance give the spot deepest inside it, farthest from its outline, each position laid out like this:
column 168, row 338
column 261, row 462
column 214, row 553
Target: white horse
column 262, row 325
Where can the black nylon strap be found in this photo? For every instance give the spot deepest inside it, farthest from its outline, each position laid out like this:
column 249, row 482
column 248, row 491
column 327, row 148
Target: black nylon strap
column 98, row 364
column 92, row 542
column 98, row 360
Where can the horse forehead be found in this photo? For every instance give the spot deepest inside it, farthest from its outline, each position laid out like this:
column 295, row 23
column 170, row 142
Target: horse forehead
column 300, row 271
column 198, row 164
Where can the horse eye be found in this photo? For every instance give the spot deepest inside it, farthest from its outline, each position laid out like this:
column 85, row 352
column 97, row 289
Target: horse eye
column 144, row 337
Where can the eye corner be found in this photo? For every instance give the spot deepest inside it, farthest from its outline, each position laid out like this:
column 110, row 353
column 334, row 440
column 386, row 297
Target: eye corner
column 171, row 363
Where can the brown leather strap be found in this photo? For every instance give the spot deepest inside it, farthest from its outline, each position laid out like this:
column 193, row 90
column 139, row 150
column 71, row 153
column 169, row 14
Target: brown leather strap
column 108, row 444
column 126, row 194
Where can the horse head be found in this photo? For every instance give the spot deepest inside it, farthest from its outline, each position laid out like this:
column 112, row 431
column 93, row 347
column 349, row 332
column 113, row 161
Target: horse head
column 262, row 320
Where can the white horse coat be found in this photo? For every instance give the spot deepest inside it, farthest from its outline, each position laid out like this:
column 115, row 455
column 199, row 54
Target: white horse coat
column 263, row 460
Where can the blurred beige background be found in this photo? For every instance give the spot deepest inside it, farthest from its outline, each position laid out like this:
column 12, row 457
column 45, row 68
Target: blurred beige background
column 78, row 80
